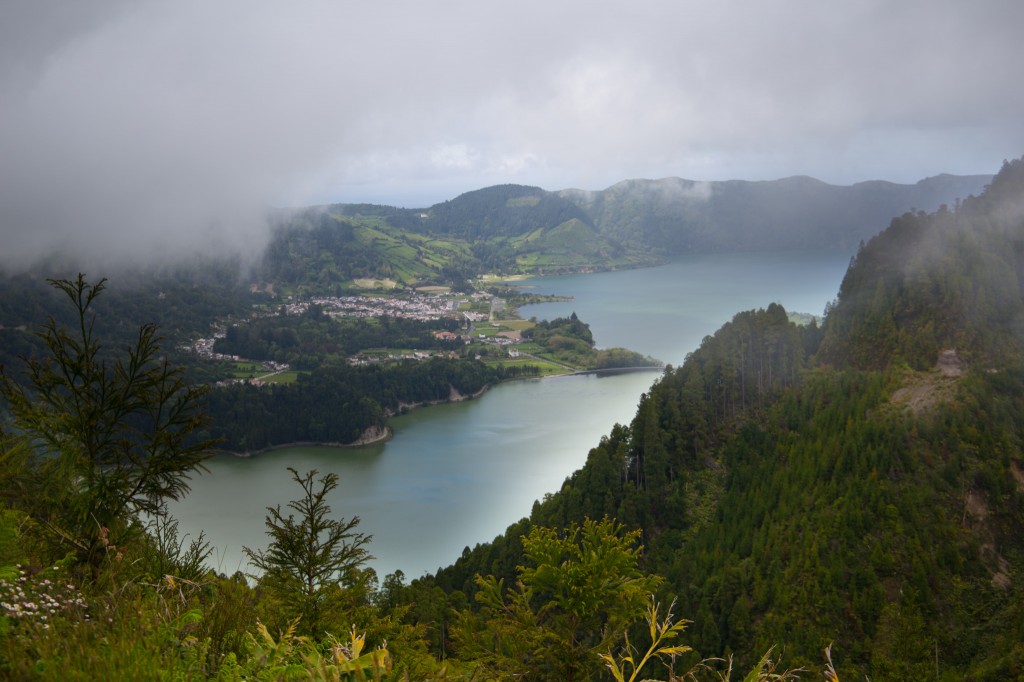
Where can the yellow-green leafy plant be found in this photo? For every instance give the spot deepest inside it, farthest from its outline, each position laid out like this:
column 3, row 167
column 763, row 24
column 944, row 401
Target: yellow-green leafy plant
column 273, row 658
column 579, row 589
column 662, row 630
column 348, row 660
column 767, row 669
column 830, row 671
column 292, row 656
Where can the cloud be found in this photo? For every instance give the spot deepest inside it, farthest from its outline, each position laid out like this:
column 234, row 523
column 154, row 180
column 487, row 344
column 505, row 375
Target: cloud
column 149, row 128
column 447, row 156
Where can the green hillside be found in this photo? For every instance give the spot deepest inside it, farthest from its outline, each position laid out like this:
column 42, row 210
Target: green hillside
column 508, row 229
column 858, row 484
column 499, row 211
column 329, row 248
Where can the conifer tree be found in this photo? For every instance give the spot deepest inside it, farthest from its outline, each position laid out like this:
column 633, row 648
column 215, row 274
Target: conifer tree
column 96, row 442
column 310, row 557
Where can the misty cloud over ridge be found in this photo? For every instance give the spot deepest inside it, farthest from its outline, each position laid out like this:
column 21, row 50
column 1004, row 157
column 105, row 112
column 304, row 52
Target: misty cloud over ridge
column 146, row 129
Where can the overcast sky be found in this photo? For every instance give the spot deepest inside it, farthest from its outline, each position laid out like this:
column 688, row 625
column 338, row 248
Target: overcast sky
column 143, row 127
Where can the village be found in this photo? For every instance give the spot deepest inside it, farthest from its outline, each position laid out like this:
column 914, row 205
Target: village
column 415, row 306
column 477, row 310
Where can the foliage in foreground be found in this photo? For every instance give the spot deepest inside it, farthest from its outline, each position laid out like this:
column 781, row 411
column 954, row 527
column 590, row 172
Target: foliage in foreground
column 309, row 556
column 573, row 597
column 96, row 445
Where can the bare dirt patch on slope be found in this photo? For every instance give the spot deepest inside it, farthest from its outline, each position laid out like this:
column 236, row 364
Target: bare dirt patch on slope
column 1018, row 474
column 924, row 390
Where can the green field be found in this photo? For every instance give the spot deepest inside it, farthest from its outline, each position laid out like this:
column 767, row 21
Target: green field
column 546, row 368
column 288, row 377
column 250, row 369
column 246, row 369
column 409, row 257
column 517, row 325
column 487, row 329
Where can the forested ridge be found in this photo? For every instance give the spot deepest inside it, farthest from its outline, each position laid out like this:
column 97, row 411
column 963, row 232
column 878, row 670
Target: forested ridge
column 500, row 211
column 801, row 486
column 181, row 301
column 337, row 404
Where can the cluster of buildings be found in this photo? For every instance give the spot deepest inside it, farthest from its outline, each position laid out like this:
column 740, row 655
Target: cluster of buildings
column 204, row 349
column 417, row 306
column 413, row 306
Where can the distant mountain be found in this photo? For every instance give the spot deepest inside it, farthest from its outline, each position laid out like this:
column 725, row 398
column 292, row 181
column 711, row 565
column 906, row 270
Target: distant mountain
column 680, row 216
column 521, row 229
column 674, row 216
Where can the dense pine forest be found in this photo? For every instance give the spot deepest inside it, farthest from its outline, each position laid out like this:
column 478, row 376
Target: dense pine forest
column 338, row 404
column 846, row 499
column 859, row 484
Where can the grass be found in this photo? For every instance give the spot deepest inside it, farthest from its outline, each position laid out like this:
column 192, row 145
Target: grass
column 489, row 278
column 546, row 368
column 411, row 257
column 517, row 325
column 251, row 369
column 475, row 306
column 385, row 354
column 487, row 329
column 248, row 369
column 288, row 377
column 367, row 283
column 541, row 352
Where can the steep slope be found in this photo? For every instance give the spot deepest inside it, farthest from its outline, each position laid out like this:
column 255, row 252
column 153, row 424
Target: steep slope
column 868, row 493
column 326, row 248
column 952, row 279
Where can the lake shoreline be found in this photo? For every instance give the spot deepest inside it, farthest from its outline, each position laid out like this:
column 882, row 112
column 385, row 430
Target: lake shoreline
column 371, row 436
column 382, row 434
column 459, row 477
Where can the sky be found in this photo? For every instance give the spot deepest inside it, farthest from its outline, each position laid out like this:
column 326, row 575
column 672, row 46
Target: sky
column 146, row 128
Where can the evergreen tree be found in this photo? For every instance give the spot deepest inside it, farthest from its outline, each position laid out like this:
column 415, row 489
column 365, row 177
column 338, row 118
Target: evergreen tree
column 101, row 441
column 309, row 558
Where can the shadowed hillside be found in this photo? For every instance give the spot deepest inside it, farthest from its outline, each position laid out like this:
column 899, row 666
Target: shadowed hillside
column 858, row 484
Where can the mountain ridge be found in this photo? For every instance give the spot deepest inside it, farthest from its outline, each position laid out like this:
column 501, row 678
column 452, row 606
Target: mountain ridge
column 509, row 229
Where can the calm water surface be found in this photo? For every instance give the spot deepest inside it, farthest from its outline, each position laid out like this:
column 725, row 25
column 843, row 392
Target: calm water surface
column 666, row 311
column 455, row 475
